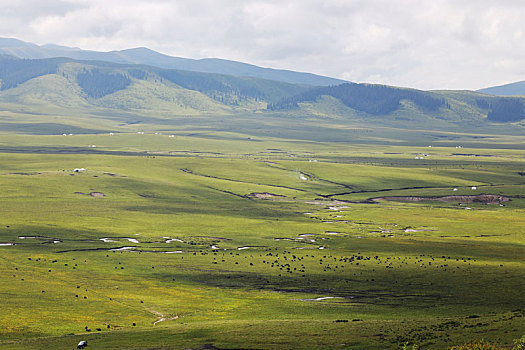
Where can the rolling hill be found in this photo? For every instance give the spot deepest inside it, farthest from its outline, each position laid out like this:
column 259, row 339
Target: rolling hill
column 106, row 96
column 145, row 56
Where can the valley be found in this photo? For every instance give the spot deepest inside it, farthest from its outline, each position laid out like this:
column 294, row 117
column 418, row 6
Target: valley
column 250, row 241
column 147, row 205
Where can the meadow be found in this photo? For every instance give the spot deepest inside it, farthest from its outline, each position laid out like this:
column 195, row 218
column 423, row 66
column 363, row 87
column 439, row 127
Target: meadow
column 246, row 239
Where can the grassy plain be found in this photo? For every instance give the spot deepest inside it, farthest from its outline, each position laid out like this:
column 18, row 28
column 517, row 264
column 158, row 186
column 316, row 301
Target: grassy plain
column 245, row 239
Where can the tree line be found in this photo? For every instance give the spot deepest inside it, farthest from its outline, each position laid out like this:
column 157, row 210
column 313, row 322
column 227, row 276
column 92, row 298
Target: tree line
column 14, row 71
column 99, row 84
column 371, row 99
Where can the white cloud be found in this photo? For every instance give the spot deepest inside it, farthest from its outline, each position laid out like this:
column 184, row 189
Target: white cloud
column 439, row 44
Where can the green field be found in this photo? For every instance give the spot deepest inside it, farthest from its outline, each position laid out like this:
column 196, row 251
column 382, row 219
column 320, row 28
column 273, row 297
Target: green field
column 245, row 238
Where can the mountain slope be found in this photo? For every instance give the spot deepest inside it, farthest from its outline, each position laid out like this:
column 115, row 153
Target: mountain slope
column 98, row 79
column 20, row 49
column 403, row 106
column 96, row 95
column 513, row 89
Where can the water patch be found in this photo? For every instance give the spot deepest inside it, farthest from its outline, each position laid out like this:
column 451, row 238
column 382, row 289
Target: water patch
column 337, row 208
column 322, row 298
column 123, row 249
column 114, row 239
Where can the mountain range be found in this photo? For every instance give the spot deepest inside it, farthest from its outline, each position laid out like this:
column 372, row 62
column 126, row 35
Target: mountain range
column 140, row 87
column 145, row 56
column 512, row 89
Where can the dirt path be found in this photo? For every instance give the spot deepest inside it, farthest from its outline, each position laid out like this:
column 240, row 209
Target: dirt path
column 161, row 317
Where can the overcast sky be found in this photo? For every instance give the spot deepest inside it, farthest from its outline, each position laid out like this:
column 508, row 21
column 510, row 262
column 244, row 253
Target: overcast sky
column 453, row 44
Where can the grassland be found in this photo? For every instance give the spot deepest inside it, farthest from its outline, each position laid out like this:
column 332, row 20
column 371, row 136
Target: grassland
column 243, row 238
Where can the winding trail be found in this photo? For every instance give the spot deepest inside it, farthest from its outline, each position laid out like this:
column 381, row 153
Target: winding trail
column 161, row 317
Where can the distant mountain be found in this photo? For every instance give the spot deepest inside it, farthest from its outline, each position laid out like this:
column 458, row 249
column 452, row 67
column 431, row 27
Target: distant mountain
column 86, row 93
column 145, row 56
column 406, row 106
column 368, row 98
column 96, row 80
column 513, row 89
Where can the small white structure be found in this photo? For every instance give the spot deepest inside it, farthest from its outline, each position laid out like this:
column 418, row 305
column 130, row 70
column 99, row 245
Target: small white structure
column 455, row 190
column 474, row 188
column 111, row 134
column 303, row 177
column 171, row 136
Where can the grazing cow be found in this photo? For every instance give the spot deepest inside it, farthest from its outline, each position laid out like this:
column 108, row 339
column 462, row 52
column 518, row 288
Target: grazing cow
column 82, row 344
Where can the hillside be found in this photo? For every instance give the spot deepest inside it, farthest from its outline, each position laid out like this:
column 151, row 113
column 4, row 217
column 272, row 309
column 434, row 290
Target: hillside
column 145, row 56
column 61, row 93
column 512, row 89
column 99, row 79
column 407, row 106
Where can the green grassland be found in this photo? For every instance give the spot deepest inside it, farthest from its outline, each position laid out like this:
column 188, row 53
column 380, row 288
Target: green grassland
column 245, row 238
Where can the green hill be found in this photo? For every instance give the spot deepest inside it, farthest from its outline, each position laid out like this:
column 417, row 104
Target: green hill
column 406, row 106
column 111, row 97
column 145, row 56
column 95, row 80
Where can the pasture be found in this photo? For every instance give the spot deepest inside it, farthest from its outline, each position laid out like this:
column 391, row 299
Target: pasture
column 258, row 242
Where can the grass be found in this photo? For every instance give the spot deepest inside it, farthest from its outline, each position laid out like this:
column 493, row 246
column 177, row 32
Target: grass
column 247, row 272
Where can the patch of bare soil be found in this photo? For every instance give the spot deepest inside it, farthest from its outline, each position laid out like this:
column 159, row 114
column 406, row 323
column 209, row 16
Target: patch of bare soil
column 162, row 318
column 97, row 194
column 480, row 198
column 264, row 195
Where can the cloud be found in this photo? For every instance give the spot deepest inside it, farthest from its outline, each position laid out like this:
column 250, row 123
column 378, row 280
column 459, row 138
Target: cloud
column 439, row 44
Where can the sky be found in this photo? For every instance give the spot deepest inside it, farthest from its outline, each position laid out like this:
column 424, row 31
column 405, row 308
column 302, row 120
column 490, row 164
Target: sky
column 438, row 44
